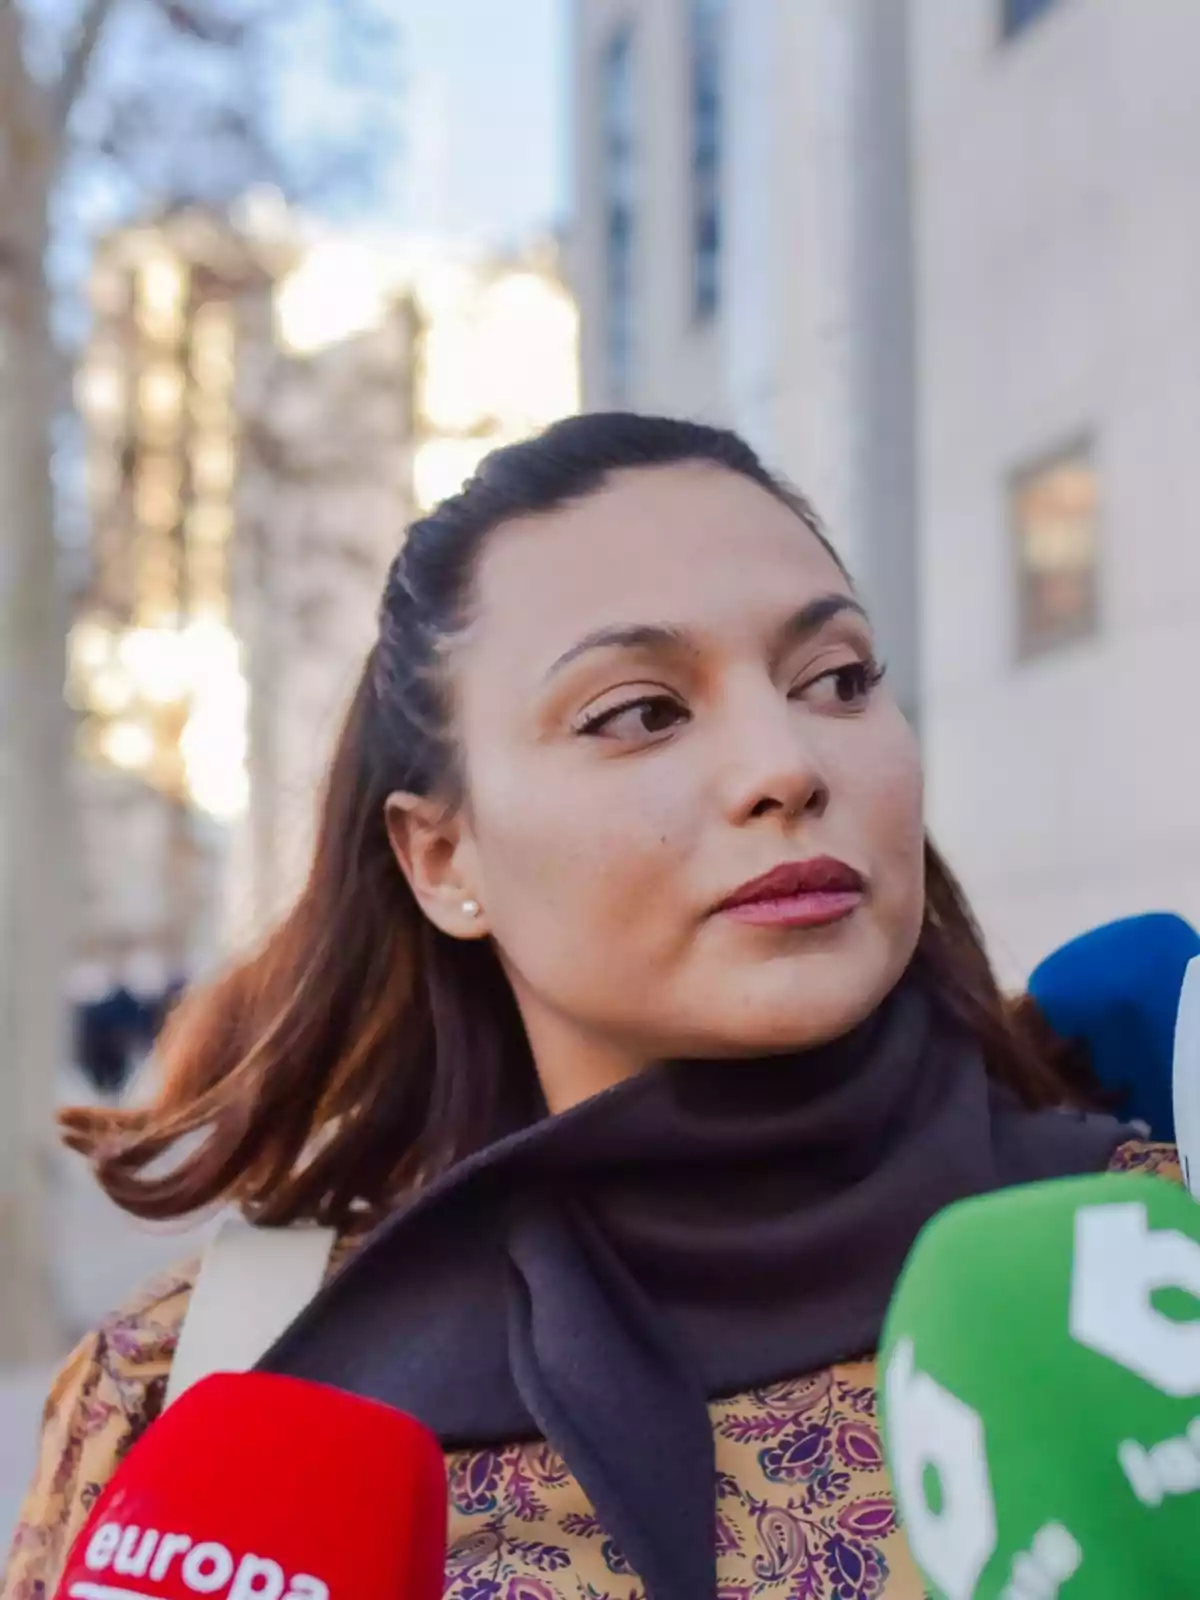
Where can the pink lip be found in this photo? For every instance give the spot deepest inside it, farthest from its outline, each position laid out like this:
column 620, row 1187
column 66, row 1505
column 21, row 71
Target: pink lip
column 798, row 894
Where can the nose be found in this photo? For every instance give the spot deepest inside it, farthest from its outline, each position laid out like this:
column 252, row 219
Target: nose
column 770, row 764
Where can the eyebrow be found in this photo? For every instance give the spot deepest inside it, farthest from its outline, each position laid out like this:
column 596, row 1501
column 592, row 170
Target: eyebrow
column 801, row 625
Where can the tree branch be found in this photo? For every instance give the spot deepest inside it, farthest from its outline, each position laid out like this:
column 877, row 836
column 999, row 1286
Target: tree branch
column 26, row 146
column 79, row 57
column 14, row 86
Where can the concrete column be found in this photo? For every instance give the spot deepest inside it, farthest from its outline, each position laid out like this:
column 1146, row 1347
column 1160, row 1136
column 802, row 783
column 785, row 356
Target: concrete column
column 884, row 509
column 749, row 206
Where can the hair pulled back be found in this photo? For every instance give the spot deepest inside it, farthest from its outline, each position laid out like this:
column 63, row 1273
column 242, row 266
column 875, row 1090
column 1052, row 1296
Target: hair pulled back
column 358, row 1051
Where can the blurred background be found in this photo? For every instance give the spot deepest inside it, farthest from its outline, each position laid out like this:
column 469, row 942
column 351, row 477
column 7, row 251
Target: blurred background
column 274, row 274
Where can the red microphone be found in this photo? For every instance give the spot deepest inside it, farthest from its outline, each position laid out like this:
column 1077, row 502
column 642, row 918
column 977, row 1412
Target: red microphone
column 257, row 1487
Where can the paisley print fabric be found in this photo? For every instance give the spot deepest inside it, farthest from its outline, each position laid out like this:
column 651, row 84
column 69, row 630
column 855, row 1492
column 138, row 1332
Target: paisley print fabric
column 802, row 1507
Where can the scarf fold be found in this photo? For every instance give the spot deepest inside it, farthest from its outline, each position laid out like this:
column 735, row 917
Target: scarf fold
column 707, row 1228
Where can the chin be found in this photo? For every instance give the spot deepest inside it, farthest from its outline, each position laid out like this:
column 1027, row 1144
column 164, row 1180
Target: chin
column 780, row 1012
column 786, row 1034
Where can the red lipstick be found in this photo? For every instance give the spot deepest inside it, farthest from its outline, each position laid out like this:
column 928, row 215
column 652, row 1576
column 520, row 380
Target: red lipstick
column 798, row 894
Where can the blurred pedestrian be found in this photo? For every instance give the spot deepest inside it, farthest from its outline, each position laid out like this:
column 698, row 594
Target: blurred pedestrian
column 110, row 1036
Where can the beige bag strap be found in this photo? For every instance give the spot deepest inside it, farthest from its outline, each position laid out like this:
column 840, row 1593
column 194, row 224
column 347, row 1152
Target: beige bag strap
column 252, row 1285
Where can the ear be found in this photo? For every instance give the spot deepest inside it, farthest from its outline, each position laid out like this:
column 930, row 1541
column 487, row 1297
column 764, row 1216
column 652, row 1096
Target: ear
column 434, row 851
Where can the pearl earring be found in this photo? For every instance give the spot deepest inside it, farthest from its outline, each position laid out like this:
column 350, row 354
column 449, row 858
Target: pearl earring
column 471, row 908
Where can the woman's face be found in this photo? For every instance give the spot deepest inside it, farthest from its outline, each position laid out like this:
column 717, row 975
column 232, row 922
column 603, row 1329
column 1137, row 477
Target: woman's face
column 667, row 693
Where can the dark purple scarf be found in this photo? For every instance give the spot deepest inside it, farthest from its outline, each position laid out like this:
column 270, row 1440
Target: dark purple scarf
column 707, row 1228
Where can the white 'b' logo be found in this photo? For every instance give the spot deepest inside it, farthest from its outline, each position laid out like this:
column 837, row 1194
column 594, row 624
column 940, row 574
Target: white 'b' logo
column 1119, row 1262
column 929, row 1428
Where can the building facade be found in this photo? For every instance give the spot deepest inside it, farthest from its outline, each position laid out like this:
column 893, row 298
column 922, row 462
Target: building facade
column 1057, row 152
column 740, row 174
column 156, row 676
column 265, row 412
column 953, row 255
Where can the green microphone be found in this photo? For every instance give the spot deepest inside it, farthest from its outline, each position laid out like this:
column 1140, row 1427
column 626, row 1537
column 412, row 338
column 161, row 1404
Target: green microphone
column 1040, row 1387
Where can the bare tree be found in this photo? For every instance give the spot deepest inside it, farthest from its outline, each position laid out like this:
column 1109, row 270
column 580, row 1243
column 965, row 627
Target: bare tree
column 108, row 107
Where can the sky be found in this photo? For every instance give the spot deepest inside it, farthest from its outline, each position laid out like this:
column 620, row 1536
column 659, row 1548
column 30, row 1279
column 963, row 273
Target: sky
column 486, row 106
column 481, row 136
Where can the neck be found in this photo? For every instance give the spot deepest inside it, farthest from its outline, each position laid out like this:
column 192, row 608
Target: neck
column 572, row 1065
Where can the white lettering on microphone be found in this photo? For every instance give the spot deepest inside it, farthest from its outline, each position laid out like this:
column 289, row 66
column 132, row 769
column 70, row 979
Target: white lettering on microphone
column 102, row 1547
column 169, row 1546
column 1171, row 1467
column 132, row 1559
column 207, row 1568
column 258, row 1579
column 306, row 1587
column 1040, row 1572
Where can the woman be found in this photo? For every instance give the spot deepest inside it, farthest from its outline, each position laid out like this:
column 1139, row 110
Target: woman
column 630, row 1020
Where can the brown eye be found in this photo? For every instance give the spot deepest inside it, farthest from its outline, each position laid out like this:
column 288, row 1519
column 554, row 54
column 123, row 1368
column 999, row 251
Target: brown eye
column 848, row 687
column 647, row 717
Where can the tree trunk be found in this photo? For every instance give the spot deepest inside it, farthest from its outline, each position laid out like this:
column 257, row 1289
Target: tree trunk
column 34, row 812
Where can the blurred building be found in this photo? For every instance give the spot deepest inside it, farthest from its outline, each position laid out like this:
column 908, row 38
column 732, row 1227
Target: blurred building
column 324, row 493
column 353, row 427
column 943, row 279
column 156, row 673
column 246, row 496
column 265, row 413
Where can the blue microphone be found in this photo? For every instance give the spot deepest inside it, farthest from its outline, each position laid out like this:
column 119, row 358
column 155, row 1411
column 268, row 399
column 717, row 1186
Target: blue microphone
column 1116, row 991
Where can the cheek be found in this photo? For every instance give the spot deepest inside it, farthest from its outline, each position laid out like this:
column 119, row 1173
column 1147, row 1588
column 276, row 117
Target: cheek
column 885, row 780
column 577, row 852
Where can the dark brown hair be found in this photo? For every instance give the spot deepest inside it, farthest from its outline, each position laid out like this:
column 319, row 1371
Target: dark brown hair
column 359, row 1051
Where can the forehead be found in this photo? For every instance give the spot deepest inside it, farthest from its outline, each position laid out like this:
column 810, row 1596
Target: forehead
column 693, row 545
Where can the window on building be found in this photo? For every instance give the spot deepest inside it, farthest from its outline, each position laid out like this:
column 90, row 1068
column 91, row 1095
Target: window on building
column 1016, row 15
column 619, row 154
column 707, row 20
column 1055, row 525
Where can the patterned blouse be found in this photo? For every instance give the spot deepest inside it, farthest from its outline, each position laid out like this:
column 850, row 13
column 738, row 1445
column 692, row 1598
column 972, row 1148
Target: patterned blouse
column 803, row 1505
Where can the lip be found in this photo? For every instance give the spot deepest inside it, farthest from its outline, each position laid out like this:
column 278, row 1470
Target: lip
column 797, row 894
